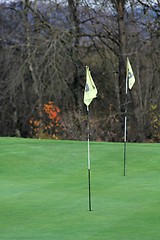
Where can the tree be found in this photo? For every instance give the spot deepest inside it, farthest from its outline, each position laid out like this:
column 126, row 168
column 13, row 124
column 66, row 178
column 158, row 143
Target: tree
column 45, row 47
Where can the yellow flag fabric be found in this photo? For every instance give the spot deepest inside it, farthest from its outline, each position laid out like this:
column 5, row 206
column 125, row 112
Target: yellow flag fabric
column 130, row 76
column 90, row 88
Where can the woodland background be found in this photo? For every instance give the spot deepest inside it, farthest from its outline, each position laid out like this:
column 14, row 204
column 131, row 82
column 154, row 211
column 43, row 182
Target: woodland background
column 44, row 49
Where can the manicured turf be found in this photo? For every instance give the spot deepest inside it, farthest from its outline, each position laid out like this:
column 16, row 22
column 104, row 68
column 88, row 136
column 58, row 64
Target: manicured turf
column 44, row 191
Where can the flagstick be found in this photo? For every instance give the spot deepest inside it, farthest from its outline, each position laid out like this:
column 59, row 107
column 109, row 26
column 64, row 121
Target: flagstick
column 125, row 143
column 89, row 94
column 125, row 128
column 89, row 165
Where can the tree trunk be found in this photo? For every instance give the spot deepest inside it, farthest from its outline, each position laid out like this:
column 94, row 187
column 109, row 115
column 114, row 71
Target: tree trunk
column 75, row 32
column 122, row 52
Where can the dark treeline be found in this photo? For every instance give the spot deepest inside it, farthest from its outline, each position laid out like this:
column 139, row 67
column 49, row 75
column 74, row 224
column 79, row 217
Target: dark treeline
column 45, row 47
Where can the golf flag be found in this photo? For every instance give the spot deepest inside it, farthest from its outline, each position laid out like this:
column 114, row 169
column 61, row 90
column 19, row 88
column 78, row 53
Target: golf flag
column 130, row 80
column 90, row 88
column 130, row 76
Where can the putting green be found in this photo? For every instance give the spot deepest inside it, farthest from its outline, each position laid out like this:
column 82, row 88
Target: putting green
column 44, row 191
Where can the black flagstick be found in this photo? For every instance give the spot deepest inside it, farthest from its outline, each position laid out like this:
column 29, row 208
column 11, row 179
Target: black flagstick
column 89, row 164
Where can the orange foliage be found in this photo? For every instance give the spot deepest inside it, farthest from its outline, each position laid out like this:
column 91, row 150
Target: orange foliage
column 49, row 124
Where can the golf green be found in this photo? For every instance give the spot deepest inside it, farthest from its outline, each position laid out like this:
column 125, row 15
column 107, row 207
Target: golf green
column 44, row 191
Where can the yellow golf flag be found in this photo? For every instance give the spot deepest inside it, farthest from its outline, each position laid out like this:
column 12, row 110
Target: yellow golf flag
column 130, row 76
column 90, row 88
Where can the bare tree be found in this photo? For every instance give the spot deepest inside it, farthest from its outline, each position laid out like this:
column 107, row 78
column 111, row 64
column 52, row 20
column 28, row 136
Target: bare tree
column 45, row 46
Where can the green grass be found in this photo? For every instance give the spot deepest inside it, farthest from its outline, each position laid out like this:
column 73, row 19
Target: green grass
column 44, row 191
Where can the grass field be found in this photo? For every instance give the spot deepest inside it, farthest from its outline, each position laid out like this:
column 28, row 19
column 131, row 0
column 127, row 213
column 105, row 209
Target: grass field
column 44, row 191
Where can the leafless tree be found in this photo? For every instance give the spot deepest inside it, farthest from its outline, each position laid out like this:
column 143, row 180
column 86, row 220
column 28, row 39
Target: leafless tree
column 45, row 46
